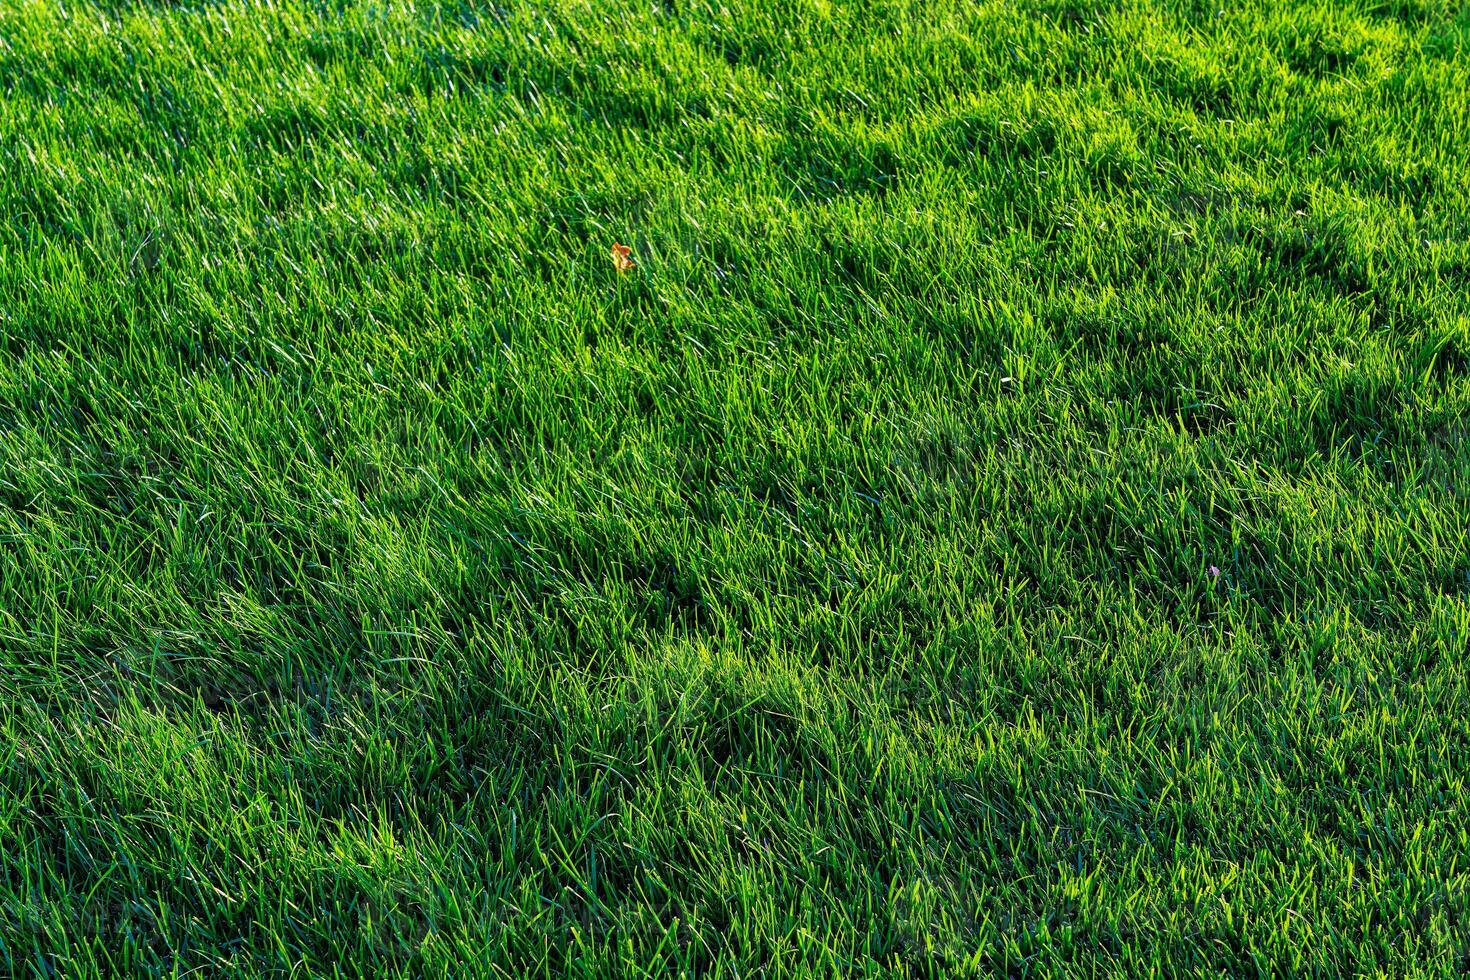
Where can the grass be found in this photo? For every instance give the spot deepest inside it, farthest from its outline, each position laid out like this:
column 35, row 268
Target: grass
column 1013, row 518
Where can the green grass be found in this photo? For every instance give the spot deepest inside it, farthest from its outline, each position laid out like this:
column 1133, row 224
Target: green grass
column 391, row 587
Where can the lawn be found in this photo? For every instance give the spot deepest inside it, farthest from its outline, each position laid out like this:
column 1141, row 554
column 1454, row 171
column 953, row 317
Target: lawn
column 791, row 488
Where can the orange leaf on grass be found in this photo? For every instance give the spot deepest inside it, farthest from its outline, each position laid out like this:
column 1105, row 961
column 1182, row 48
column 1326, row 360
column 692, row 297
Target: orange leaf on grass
column 622, row 257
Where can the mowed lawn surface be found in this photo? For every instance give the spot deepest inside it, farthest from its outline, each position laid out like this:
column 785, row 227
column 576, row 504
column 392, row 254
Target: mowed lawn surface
column 1011, row 519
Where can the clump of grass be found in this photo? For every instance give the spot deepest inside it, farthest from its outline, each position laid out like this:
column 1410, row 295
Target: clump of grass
column 762, row 488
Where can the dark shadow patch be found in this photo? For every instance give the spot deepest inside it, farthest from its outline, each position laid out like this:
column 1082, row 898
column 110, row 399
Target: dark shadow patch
column 335, row 46
column 1317, row 54
column 673, row 600
column 1357, row 416
column 1444, row 353
column 749, row 735
column 835, row 167
column 616, row 99
column 1321, row 252
column 744, row 51
column 1413, row 183
column 444, row 72
column 1208, row 95
column 960, row 141
column 1412, row 14
column 1073, row 17
column 292, row 128
column 1197, row 202
column 120, row 8
column 861, row 264
column 1113, row 170
column 170, row 113
column 468, row 14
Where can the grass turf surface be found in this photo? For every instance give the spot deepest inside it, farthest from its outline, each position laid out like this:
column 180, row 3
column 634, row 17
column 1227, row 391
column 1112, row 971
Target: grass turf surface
column 1011, row 519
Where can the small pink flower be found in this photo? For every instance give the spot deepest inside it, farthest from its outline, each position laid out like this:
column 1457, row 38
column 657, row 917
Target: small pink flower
column 1214, row 571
